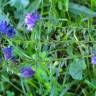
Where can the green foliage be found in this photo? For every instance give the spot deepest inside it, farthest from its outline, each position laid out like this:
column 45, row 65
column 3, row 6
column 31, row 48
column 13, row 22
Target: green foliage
column 58, row 49
column 76, row 69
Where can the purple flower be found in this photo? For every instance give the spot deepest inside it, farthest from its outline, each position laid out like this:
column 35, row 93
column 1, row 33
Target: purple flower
column 3, row 27
column 7, row 29
column 7, row 53
column 93, row 59
column 31, row 19
column 27, row 72
column 10, row 32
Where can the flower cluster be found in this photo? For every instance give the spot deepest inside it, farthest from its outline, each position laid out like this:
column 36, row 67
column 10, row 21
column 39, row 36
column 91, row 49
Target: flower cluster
column 31, row 19
column 8, row 55
column 7, row 29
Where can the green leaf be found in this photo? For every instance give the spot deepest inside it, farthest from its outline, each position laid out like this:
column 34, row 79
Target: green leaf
column 41, row 73
column 63, row 4
column 91, row 84
column 76, row 69
column 33, row 6
column 19, row 3
column 66, row 4
column 79, row 9
column 1, row 86
column 9, row 93
column 18, row 51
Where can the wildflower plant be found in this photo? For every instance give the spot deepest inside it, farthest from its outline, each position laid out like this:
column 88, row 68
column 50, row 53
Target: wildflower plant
column 54, row 59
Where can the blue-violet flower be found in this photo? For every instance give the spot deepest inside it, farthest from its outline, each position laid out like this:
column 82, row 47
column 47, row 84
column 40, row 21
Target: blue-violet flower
column 3, row 27
column 10, row 32
column 31, row 19
column 27, row 72
column 7, row 53
column 7, row 29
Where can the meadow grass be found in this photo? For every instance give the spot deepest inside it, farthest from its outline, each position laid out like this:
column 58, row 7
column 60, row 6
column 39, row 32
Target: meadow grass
column 59, row 48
